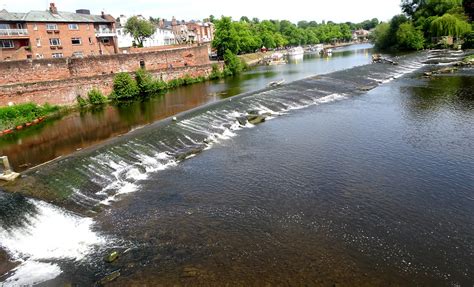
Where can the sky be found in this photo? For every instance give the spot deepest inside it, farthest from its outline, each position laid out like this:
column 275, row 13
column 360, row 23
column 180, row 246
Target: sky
column 293, row 10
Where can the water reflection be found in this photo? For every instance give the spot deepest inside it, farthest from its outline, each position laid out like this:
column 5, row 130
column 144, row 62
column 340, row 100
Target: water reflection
column 58, row 137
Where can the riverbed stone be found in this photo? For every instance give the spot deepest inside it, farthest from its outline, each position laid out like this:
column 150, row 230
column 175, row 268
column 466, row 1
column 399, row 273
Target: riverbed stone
column 112, row 257
column 109, row 277
column 256, row 119
column 242, row 121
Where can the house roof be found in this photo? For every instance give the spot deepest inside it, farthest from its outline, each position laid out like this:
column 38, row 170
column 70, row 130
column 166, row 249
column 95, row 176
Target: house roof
column 47, row 16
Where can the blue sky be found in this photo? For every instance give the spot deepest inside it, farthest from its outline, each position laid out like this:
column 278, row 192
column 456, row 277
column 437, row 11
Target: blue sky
column 294, row 10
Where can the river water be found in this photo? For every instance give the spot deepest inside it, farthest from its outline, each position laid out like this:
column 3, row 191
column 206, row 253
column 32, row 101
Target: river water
column 339, row 187
column 59, row 137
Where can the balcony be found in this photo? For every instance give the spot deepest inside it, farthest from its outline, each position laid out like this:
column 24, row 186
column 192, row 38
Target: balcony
column 105, row 33
column 14, row 34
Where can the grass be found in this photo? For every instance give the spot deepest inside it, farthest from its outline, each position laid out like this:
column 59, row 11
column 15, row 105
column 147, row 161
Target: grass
column 18, row 115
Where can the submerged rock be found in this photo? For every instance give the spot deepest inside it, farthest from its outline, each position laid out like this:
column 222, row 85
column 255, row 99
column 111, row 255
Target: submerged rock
column 256, row 119
column 185, row 153
column 111, row 257
column 109, row 278
column 242, row 120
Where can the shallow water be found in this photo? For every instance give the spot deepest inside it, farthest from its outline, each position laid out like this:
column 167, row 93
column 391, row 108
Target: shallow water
column 339, row 186
column 59, row 137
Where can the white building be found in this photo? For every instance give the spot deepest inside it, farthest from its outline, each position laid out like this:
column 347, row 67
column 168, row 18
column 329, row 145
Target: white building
column 161, row 37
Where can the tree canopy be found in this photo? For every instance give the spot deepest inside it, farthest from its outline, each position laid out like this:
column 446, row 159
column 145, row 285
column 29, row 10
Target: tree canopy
column 140, row 29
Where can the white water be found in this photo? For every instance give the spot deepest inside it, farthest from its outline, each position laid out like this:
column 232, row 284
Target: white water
column 51, row 234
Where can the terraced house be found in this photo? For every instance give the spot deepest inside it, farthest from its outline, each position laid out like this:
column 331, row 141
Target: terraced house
column 55, row 34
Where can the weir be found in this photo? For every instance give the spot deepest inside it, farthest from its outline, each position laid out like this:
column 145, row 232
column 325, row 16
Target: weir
column 95, row 177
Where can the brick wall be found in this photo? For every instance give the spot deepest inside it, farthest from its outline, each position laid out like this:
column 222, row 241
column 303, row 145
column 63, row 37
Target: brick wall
column 64, row 92
column 44, row 70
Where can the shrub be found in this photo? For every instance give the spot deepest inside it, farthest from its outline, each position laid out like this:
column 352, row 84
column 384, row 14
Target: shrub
column 147, row 84
column 233, row 65
column 215, row 73
column 95, row 97
column 409, row 38
column 81, row 102
column 469, row 41
column 125, row 87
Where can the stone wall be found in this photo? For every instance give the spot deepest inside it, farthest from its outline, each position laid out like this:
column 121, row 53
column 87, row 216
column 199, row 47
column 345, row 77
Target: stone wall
column 44, row 70
column 64, row 92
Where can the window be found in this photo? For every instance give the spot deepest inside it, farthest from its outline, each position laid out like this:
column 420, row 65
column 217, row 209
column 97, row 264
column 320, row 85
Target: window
column 4, row 26
column 7, row 44
column 73, row 27
column 90, row 41
column 76, row 41
column 88, row 27
column 105, row 40
column 54, row 42
column 58, row 55
column 35, row 27
column 50, row 27
column 38, row 42
column 78, row 54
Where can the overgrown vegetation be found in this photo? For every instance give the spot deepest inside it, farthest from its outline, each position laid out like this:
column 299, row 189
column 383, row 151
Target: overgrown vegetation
column 125, row 87
column 17, row 115
column 95, row 97
column 425, row 24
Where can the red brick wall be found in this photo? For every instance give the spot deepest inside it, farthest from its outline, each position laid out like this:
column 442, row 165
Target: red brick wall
column 64, row 92
column 17, row 72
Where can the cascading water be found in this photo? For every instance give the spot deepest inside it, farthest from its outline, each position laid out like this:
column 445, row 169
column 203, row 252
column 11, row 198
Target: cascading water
column 97, row 177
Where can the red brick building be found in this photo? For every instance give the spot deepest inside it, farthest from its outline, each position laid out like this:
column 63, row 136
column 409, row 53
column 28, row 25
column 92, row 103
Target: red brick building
column 55, row 34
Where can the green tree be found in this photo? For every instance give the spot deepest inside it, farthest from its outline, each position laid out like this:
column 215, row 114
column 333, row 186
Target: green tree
column 140, row 29
column 225, row 37
column 449, row 25
column 409, row 38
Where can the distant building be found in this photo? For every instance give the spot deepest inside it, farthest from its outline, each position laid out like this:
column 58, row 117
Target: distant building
column 162, row 36
column 55, row 34
column 360, row 35
column 203, row 31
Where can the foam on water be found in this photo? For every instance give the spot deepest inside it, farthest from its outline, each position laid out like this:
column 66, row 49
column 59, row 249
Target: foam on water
column 50, row 234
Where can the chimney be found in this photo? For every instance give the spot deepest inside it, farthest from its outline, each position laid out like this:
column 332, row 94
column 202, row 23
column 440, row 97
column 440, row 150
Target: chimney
column 161, row 23
column 52, row 8
column 103, row 15
column 173, row 21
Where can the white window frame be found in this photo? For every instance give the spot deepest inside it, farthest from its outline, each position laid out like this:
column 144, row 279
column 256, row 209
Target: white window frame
column 57, row 55
column 58, row 42
column 73, row 26
column 35, row 27
column 76, row 38
column 10, row 46
column 51, row 27
column 38, row 42
column 78, row 54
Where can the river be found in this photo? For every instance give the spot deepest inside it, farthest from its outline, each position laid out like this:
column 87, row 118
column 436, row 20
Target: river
column 340, row 186
column 59, row 137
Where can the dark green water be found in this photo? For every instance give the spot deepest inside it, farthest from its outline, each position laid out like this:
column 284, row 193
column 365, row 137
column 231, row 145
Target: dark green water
column 340, row 187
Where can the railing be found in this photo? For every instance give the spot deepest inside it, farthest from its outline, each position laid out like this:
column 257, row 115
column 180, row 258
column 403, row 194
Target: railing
column 105, row 33
column 13, row 32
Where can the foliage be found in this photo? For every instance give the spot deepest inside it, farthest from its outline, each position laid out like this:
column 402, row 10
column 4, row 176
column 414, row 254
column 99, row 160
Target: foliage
column 140, row 29
column 147, row 84
column 20, row 114
column 95, row 97
column 125, row 87
column 215, row 73
column 409, row 38
column 233, row 65
column 469, row 41
column 81, row 102
column 449, row 25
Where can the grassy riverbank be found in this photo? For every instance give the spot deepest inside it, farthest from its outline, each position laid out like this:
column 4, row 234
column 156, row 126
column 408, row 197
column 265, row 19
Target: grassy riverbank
column 24, row 115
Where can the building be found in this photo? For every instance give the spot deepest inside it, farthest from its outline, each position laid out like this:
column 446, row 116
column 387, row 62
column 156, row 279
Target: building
column 203, row 31
column 55, row 34
column 162, row 36
column 360, row 35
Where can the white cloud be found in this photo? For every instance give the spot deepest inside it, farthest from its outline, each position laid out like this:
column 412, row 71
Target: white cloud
column 294, row 10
